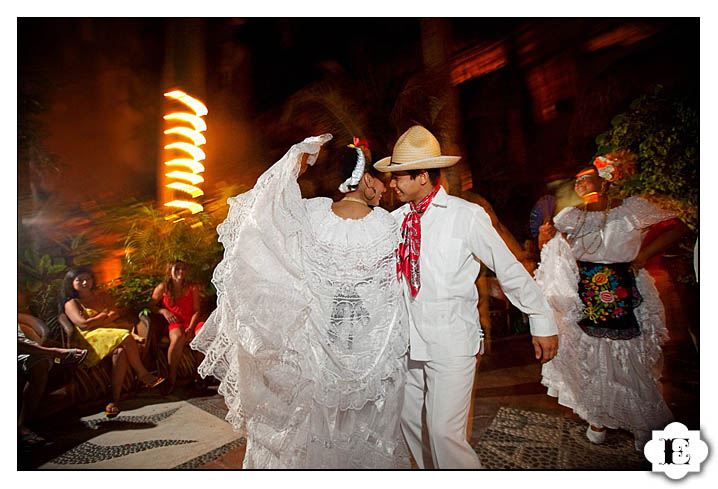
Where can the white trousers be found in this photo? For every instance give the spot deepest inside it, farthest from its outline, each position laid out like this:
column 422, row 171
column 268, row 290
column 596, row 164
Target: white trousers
column 444, row 388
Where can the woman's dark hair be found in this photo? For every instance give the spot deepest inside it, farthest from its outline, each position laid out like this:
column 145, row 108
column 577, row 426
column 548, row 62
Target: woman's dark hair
column 169, row 285
column 68, row 292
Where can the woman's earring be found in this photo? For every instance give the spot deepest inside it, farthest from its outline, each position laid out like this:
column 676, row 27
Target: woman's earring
column 368, row 198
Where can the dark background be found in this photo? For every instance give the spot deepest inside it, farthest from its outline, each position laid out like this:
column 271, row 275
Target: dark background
column 520, row 99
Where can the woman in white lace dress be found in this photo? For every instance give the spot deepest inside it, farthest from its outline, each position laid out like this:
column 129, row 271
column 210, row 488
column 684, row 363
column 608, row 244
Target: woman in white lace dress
column 310, row 332
column 611, row 320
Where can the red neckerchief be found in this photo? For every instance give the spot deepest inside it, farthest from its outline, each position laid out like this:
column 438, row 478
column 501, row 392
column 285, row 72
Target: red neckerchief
column 410, row 246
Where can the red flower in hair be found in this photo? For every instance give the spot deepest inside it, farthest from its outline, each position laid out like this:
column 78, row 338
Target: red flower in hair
column 360, row 142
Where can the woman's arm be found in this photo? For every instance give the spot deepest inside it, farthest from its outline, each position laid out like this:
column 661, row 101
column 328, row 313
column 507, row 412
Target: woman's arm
column 108, row 306
column 663, row 242
column 77, row 315
column 195, row 314
column 155, row 304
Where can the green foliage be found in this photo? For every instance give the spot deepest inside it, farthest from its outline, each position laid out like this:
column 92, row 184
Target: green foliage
column 148, row 242
column 662, row 130
column 40, row 273
column 151, row 242
column 40, row 279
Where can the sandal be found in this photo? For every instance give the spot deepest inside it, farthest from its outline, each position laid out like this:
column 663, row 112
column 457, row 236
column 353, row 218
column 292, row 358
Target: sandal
column 73, row 357
column 111, row 410
column 140, row 340
column 31, row 440
column 149, row 381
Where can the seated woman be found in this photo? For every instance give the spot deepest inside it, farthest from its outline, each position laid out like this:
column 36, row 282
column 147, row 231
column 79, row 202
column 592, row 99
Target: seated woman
column 178, row 302
column 102, row 332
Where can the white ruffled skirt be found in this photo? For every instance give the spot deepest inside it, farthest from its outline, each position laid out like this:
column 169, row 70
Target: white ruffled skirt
column 610, row 383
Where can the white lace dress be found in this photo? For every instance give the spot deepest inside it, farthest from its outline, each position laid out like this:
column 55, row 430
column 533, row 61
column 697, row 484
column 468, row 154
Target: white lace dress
column 310, row 332
column 610, row 383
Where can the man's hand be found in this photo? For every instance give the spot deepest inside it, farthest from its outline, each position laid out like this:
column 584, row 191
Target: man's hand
column 545, row 347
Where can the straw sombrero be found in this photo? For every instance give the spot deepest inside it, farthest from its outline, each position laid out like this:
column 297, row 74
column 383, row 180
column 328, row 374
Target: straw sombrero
column 416, row 149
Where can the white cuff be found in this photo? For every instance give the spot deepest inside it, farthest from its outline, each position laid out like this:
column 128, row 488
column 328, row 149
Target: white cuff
column 542, row 325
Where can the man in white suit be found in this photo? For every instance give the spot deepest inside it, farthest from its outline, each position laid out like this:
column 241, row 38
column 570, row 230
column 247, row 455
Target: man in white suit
column 443, row 239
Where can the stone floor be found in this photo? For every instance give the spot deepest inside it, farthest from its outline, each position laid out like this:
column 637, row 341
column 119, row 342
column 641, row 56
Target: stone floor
column 507, row 378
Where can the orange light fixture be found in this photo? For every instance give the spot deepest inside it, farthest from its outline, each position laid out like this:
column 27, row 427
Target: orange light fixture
column 191, row 155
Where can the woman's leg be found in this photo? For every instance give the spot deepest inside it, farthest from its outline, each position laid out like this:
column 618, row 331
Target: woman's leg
column 119, row 370
column 174, row 352
column 133, row 357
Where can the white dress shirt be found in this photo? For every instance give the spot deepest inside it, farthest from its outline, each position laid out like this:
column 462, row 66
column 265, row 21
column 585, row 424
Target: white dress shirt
column 444, row 316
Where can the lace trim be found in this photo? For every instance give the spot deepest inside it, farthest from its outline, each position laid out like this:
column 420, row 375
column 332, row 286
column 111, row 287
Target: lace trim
column 633, row 213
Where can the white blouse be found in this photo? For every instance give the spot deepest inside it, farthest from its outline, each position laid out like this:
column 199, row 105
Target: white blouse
column 612, row 237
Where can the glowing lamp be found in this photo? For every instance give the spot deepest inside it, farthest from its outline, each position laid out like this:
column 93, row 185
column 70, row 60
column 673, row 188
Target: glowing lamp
column 196, row 137
column 197, row 122
column 198, row 107
column 183, row 175
column 194, row 166
column 184, row 181
column 183, row 187
column 196, row 153
column 193, row 207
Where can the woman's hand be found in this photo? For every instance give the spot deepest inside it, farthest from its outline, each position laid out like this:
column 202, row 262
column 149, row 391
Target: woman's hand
column 546, row 232
column 168, row 315
column 303, row 164
column 98, row 320
column 638, row 262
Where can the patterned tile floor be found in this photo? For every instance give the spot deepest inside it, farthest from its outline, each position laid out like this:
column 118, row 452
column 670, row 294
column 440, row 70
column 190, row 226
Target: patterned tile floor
column 514, row 424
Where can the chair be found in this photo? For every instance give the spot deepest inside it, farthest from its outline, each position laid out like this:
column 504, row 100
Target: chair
column 89, row 384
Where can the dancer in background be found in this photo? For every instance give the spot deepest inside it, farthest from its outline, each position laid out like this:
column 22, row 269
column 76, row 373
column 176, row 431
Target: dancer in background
column 610, row 317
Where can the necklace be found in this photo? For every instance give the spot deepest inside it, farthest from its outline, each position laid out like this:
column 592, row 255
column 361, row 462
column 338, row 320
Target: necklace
column 358, row 201
column 597, row 242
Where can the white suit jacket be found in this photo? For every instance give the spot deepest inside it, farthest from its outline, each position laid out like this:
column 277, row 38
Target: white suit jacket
column 444, row 316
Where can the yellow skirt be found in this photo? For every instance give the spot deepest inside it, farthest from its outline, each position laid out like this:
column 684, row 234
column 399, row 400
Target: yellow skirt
column 100, row 342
